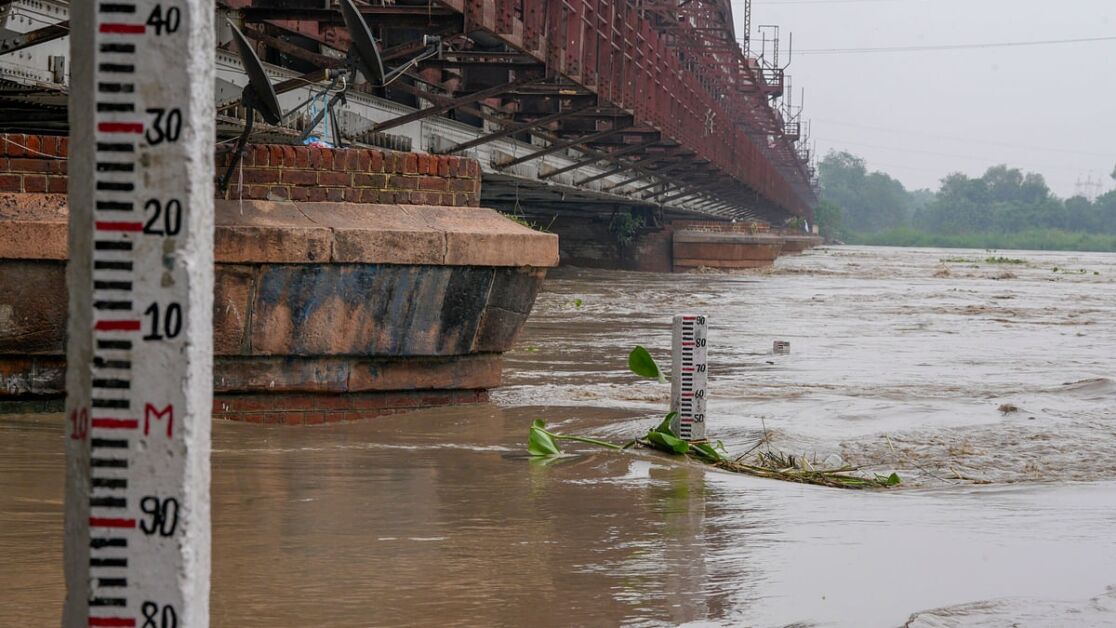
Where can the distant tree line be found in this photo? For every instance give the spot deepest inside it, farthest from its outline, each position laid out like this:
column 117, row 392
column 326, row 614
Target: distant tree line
column 1005, row 208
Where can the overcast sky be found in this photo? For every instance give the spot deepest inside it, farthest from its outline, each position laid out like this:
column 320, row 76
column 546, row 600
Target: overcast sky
column 919, row 115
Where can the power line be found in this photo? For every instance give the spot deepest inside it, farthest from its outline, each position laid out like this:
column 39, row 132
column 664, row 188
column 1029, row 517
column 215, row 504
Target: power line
column 1008, row 44
column 968, row 140
column 969, row 157
column 789, row 2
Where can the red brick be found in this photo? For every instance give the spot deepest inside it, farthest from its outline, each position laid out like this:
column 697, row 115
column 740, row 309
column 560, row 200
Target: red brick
column 410, row 163
column 461, row 185
column 299, row 177
column 352, row 195
column 293, row 418
column 288, row 156
column 244, row 404
column 36, row 183
column 352, row 160
column 49, row 145
column 315, row 157
column 63, row 146
column 377, row 163
column 275, row 156
column 336, row 195
column 57, row 185
column 444, row 167
column 259, row 156
column 335, row 178
column 11, row 145
column 300, row 194
column 29, row 165
column 327, row 158
column 402, row 183
column 280, row 193
column 302, row 157
column 432, row 183
column 314, row 418
column 258, row 192
column 32, row 143
column 316, row 194
column 368, row 195
column 259, row 175
column 370, row 180
column 364, row 157
column 11, row 183
column 373, row 401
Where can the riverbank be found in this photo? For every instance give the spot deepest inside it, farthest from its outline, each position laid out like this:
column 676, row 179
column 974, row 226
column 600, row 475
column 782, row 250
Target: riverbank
column 1030, row 240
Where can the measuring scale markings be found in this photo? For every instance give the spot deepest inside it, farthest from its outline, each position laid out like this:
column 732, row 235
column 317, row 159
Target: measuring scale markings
column 139, row 354
column 688, row 383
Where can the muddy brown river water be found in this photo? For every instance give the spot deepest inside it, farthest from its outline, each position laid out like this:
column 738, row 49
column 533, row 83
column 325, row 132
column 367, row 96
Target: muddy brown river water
column 901, row 360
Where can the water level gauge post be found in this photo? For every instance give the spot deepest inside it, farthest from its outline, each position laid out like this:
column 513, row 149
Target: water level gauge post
column 689, row 376
column 139, row 344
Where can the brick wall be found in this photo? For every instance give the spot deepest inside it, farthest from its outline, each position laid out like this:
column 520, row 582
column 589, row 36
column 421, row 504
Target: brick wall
column 40, row 169
column 33, row 163
column 302, row 173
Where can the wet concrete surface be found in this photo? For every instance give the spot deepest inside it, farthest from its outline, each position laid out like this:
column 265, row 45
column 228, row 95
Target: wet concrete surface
column 437, row 517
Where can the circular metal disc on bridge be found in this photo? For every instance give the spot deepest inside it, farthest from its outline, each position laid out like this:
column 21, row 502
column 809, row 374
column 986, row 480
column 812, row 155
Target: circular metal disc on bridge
column 367, row 53
column 258, row 94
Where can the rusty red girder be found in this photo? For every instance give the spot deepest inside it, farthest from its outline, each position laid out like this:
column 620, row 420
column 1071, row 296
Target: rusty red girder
column 665, row 76
column 702, row 30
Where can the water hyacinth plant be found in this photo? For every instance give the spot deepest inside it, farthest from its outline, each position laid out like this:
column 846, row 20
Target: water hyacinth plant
column 758, row 462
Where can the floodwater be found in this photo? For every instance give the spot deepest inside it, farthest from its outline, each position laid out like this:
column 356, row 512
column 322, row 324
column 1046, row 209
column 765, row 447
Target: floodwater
column 900, row 361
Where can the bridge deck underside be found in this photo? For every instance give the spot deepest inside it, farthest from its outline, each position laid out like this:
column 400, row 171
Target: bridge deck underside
column 646, row 102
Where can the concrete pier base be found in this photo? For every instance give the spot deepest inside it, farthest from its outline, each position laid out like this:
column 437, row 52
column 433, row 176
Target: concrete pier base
column 798, row 243
column 703, row 249
column 322, row 310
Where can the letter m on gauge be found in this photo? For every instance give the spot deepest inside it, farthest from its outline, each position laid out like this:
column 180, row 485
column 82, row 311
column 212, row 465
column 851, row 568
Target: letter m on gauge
column 151, row 413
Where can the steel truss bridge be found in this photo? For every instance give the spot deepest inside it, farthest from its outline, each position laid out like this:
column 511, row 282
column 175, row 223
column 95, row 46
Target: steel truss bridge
column 593, row 104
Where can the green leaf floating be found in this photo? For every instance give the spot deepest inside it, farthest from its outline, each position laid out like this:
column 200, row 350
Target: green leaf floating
column 891, row 480
column 668, row 443
column 706, row 452
column 539, row 442
column 641, row 363
column 664, row 427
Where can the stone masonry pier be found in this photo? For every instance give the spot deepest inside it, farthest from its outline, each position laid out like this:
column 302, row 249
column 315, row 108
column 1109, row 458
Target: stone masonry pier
column 324, row 310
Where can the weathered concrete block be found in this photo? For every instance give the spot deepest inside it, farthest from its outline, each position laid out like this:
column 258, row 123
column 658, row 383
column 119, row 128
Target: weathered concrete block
column 367, row 310
column 461, row 373
column 515, row 289
column 725, row 249
column 33, row 226
column 268, row 231
column 32, row 307
column 379, row 234
column 233, row 287
column 32, row 376
column 498, row 330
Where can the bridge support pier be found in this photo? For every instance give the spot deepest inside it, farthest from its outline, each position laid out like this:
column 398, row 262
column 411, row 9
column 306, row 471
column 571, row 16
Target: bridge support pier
column 349, row 283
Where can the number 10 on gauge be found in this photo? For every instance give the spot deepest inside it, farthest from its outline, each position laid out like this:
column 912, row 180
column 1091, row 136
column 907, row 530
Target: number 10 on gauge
column 689, row 376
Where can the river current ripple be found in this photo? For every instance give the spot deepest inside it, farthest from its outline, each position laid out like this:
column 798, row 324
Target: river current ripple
column 904, row 360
